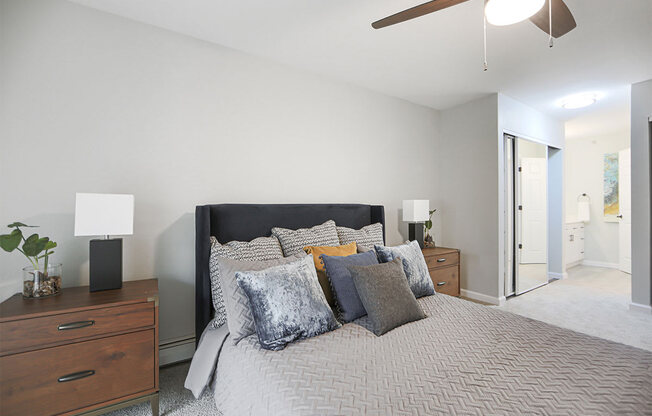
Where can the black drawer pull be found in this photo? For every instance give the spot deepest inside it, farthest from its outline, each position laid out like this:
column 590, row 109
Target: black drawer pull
column 441, row 283
column 76, row 376
column 441, row 260
column 76, row 325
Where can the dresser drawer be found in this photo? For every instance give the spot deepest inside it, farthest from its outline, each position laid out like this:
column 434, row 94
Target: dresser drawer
column 443, row 260
column 69, row 377
column 446, row 280
column 35, row 333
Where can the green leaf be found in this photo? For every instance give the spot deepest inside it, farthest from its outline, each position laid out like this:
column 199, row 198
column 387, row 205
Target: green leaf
column 9, row 242
column 50, row 245
column 34, row 245
column 428, row 224
column 20, row 224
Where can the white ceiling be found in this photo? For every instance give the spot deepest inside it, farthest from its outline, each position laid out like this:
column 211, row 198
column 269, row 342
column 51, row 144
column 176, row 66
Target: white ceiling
column 435, row 60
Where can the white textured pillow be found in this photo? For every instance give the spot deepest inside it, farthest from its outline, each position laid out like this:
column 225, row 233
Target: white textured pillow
column 240, row 321
column 293, row 241
column 261, row 248
column 367, row 236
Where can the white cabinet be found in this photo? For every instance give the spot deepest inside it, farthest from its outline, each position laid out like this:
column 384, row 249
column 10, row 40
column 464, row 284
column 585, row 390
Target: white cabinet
column 574, row 243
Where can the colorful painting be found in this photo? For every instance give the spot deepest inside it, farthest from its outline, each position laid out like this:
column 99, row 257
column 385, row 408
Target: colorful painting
column 611, row 208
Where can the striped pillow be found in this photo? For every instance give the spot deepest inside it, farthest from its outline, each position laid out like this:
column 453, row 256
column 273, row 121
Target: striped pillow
column 293, row 241
column 258, row 249
column 367, row 236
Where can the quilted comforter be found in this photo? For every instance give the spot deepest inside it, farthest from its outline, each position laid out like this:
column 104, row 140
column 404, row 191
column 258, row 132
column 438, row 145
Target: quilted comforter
column 464, row 358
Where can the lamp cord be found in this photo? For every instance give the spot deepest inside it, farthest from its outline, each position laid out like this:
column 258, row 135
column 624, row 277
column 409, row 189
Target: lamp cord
column 550, row 41
column 484, row 16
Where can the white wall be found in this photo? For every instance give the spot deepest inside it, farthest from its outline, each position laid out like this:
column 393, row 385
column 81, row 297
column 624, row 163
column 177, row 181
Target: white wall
column 92, row 102
column 641, row 206
column 584, row 166
column 468, row 184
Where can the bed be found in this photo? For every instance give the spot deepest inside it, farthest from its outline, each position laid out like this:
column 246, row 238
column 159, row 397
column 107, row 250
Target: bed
column 464, row 358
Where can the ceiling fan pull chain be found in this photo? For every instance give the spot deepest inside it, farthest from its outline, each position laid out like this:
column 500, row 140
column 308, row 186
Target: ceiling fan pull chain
column 550, row 41
column 484, row 65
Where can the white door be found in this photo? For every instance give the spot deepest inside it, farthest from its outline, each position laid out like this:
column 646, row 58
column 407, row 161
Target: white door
column 625, row 215
column 534, row 237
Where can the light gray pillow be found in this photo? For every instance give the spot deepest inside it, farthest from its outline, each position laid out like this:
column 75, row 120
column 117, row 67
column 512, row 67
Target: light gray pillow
column 414, row 265
column 238, row 311
column 293, row 241
column 367, row 236
column 386, row 296
column 287, row 303
column 262, row 248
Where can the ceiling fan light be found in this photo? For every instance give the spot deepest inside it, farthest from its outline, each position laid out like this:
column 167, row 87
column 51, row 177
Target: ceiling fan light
column 508, row 12
column 576, row 101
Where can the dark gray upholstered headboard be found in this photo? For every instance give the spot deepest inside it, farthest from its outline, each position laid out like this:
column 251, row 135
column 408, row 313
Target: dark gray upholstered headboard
column 244, row 222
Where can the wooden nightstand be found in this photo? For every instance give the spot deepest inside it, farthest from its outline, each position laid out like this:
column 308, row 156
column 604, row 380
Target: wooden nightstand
column 79, row 351
column 444, row 266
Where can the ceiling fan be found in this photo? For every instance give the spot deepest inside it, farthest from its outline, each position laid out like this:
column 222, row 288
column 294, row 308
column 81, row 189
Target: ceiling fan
column 551, row 16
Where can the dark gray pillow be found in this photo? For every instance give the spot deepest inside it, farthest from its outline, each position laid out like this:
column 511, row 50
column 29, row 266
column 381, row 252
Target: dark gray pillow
column 349, row 306
column 385, row 294
column 287, row 303
column 414, row 265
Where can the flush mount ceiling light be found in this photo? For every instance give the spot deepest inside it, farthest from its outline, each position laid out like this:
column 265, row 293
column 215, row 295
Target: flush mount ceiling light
column 508, row 12
column 573, row 102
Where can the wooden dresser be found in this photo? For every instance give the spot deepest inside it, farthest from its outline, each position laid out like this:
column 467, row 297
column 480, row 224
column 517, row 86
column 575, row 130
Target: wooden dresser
column 444, row 266
column 79, row 351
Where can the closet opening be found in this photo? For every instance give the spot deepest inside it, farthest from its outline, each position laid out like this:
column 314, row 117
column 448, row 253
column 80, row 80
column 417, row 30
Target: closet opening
column 526, row 221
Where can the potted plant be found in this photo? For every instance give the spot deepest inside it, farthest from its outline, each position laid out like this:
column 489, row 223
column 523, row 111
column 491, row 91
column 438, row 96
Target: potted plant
column 428, row 241
column 38, row 281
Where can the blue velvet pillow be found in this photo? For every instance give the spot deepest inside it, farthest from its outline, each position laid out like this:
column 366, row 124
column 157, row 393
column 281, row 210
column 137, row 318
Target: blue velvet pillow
column 414, row 265
column 349, row 305
column 287, row 303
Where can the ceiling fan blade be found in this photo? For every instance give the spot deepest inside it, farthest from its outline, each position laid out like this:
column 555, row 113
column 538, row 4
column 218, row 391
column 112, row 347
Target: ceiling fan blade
column 416, row 11
column 562, row 19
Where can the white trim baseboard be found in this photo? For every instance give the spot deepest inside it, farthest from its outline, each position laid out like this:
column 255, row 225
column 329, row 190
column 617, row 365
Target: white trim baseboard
column 173, row 351
column 637, row 307
column 482, row 297
column 557, row 276
column 604, row 264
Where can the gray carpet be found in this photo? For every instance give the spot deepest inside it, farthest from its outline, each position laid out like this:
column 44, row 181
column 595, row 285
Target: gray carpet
column 594, row 301
column 175, row 400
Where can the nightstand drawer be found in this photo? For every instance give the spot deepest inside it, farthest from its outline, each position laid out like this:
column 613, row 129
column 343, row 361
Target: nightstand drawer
column 446, row 280
column 36, row 333
column 69, row 377
column 443, row 260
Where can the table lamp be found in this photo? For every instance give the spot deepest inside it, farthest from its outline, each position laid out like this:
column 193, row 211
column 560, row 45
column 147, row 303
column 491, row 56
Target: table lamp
column 416, row 212
column 104, row 215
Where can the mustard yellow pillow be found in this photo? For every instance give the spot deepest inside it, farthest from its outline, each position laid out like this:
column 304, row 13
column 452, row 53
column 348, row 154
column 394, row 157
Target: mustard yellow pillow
column 316, row 251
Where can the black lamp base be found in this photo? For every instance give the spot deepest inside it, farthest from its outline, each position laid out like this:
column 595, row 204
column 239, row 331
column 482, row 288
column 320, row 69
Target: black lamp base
column 415, row 232
column 105, row 264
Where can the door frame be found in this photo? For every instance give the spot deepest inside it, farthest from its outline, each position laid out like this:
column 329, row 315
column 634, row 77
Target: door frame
column 511, row 213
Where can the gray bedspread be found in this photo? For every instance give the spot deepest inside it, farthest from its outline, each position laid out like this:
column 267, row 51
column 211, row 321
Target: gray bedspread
column 464, row 359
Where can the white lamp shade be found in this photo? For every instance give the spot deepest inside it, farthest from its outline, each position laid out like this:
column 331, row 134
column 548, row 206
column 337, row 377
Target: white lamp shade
column 416, row 210
column 104, row 214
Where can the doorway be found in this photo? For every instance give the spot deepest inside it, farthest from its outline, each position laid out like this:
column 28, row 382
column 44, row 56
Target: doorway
column 527, row 215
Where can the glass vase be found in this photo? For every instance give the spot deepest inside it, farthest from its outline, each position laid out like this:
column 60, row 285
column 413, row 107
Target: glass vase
column 42, row 283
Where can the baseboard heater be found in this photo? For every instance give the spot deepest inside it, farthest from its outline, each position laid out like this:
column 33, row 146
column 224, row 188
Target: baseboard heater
column 176, row 350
